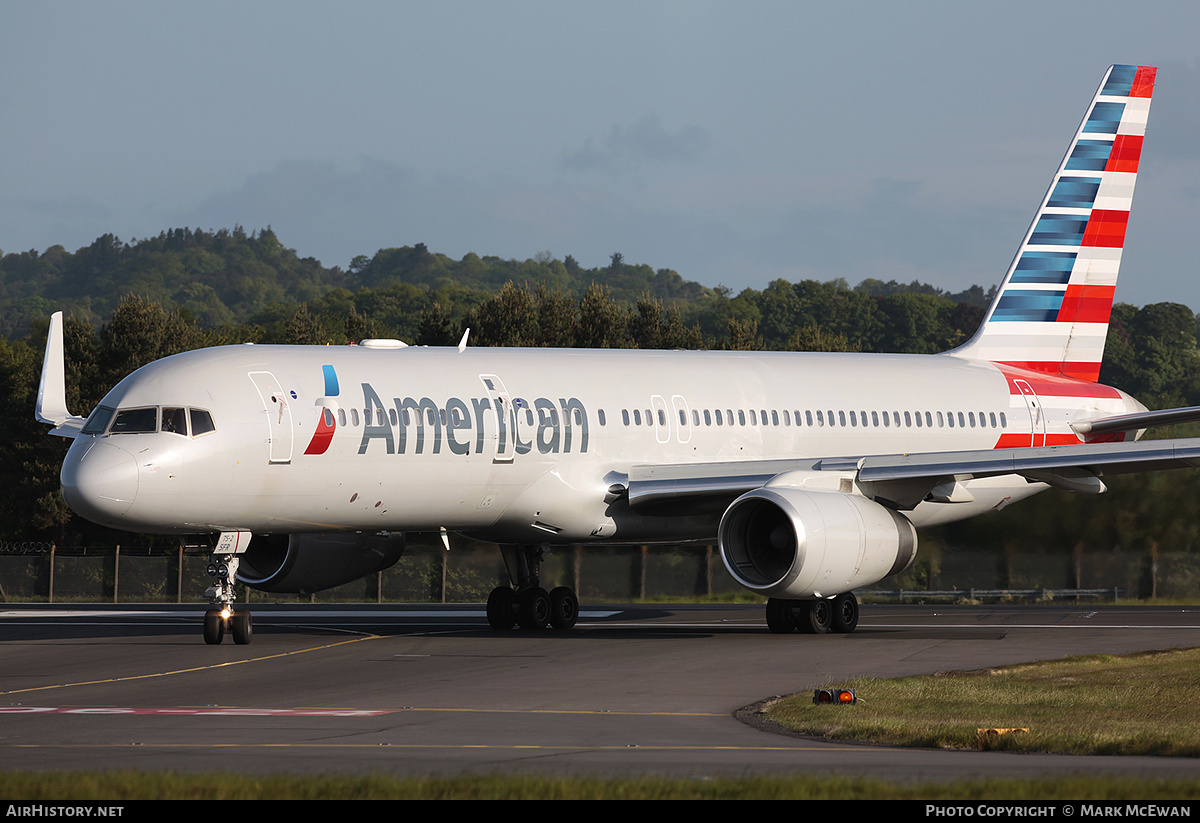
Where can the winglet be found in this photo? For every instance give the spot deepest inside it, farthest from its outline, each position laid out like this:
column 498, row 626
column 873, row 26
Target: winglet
column 52, row 391
column 462, row 344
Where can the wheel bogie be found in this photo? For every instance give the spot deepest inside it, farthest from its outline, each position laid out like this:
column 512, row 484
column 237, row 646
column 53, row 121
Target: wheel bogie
column 838, row 614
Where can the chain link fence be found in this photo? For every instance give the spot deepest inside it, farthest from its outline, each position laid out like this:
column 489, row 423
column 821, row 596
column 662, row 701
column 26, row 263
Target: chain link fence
column 43, row 572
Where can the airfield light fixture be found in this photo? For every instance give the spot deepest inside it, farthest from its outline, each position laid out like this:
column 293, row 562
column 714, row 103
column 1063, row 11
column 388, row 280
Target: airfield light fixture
column 840, row 697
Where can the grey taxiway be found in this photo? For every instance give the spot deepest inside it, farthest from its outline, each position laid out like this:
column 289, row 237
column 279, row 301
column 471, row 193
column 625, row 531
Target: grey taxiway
column 430, row 690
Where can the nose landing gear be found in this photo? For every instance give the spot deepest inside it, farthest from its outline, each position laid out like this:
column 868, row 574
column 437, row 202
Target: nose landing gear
column 223, row 566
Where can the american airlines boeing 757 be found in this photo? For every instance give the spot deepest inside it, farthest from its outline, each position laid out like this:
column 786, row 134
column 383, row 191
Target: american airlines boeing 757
column 299, row 468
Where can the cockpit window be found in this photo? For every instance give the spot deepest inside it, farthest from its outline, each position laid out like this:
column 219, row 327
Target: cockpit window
column 202, row 422
column 174, row 420
column 135, row 421
column 98, row 422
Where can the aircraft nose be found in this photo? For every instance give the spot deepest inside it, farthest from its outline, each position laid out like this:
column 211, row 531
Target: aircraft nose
column 101, row 482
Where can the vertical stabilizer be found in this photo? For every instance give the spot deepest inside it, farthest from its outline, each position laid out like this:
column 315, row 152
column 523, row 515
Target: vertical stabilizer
column 1052, row 309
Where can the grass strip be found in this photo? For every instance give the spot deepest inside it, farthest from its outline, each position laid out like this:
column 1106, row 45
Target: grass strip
column 117, row 787
column 1140, row 704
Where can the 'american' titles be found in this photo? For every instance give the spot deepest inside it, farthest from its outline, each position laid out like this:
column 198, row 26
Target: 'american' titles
column 419, row 424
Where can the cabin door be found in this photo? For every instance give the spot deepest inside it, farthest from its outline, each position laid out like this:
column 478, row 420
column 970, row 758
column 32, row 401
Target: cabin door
column 278, row 414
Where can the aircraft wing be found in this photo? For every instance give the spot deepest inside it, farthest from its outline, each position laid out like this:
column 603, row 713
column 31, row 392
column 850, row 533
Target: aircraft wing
column 907, row 479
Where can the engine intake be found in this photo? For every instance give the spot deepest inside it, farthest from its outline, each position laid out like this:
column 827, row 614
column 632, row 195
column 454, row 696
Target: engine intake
column 307, row 563
column 795, row 544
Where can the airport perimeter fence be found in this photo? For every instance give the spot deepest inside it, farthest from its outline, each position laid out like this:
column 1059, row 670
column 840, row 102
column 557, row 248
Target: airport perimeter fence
column 43, row 572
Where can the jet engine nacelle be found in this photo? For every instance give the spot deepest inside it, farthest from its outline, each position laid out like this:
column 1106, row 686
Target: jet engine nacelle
column 793, row 544
column 306, row 563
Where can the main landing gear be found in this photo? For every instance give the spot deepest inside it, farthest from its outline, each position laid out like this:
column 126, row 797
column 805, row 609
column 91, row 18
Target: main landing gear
column 526, row 603
column 839, row 614
column 223, row 567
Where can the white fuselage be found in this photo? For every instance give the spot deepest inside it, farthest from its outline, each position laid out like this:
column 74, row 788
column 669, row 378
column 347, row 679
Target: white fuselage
column 522, row 445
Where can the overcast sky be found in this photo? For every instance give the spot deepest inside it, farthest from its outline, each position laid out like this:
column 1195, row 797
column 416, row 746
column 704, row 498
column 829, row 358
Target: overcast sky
column 736, row 143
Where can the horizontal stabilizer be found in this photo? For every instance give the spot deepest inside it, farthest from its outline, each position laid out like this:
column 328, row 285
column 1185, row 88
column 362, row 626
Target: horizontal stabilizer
column 1139, row 420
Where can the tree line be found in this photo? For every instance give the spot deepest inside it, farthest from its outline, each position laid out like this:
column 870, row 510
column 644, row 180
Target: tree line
column 128, row 304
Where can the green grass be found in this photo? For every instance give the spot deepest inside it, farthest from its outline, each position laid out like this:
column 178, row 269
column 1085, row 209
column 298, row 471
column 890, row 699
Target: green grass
column 117, row 787
column 1144, row 704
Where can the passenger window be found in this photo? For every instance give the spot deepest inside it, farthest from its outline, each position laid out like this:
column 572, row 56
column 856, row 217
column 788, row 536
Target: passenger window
column 174, row 421
column 135, row 421
column 202, row 422
column 600, row 416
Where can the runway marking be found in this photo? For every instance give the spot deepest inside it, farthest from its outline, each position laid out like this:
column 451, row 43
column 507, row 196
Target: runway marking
column 461, row 746
column 193, row 669
column 994, row 626
column 204, row 712
column 326, row 712
column 310, row 614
